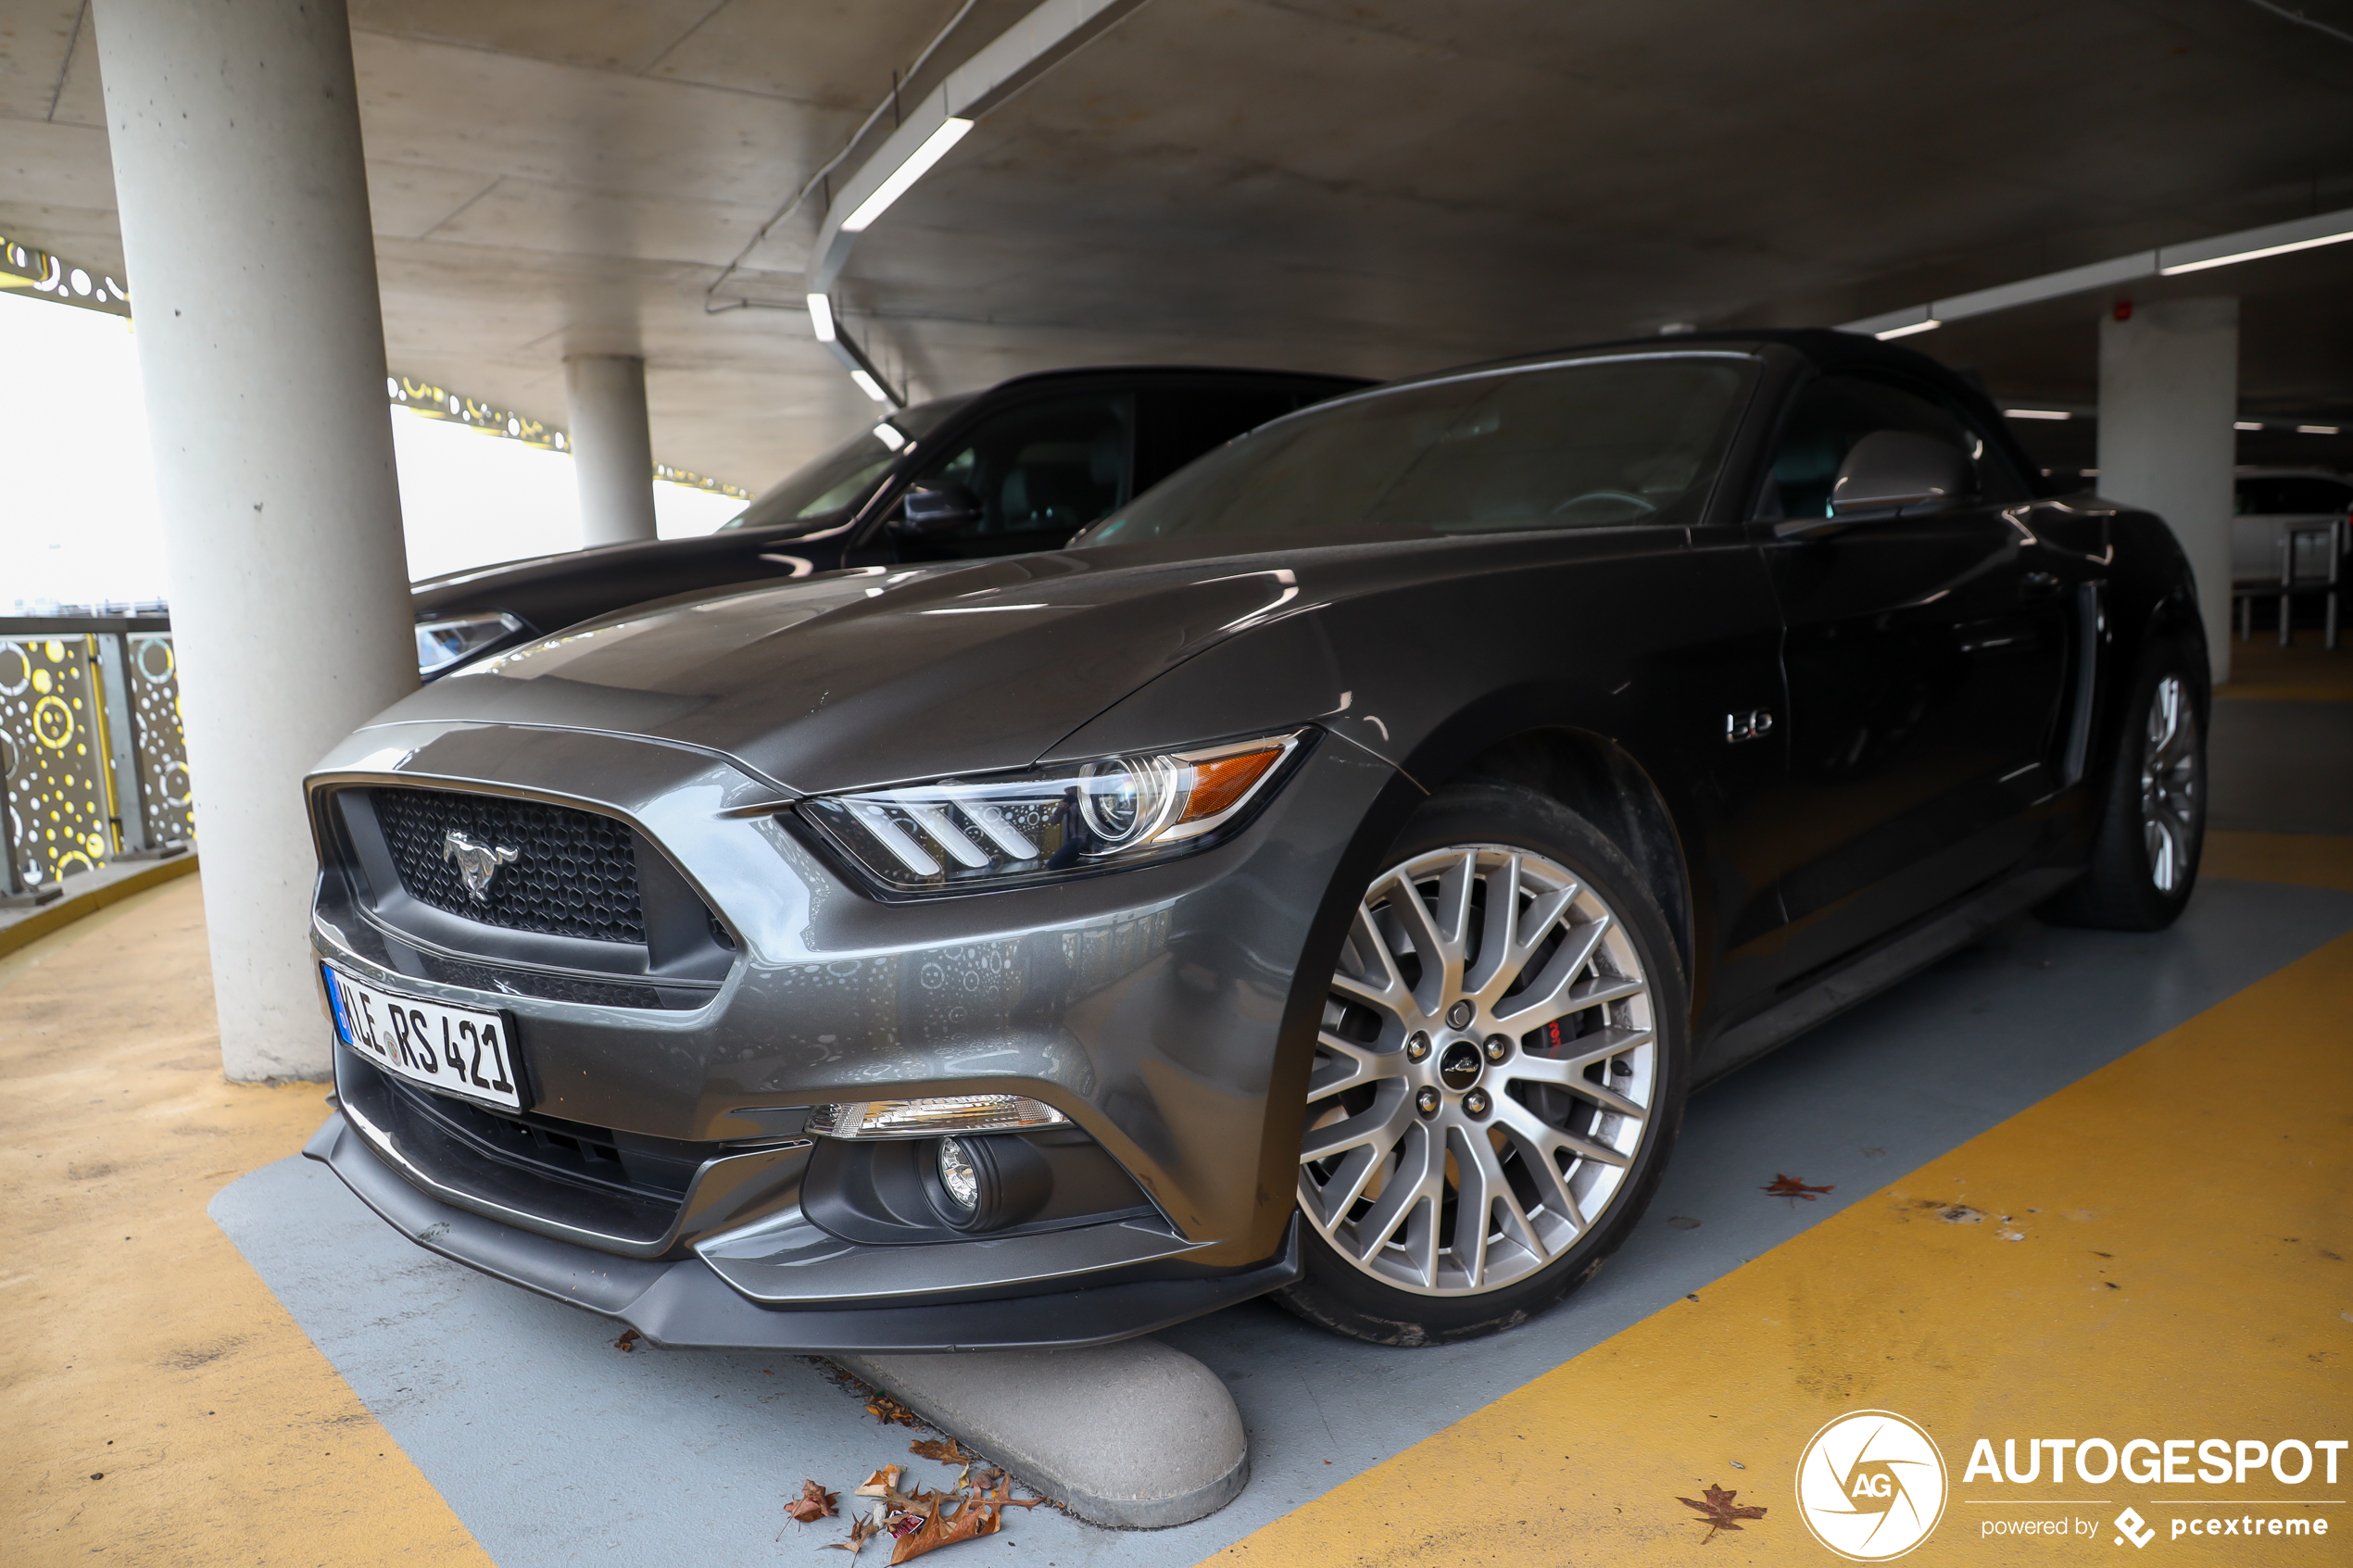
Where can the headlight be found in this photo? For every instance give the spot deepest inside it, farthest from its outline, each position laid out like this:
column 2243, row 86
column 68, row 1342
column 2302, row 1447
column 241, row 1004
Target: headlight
column 963, row 835
column 443, row 643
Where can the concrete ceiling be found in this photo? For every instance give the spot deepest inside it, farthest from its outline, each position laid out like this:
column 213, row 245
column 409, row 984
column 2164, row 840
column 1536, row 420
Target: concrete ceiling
column 1378, row 186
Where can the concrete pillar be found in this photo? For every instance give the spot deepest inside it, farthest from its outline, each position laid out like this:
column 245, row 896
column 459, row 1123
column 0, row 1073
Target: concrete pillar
column 236, row 136
column 613, row 455
column 2169, row 391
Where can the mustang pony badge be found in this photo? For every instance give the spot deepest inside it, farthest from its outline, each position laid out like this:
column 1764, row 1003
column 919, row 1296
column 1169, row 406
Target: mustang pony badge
column 477, row 863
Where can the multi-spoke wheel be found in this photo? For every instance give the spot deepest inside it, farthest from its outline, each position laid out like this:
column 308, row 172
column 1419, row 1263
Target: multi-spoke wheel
column 1496, row 1077
column 2144, row 849
column 2171, row 808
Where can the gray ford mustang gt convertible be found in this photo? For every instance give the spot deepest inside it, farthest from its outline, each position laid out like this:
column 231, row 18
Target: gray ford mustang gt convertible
column 1328, row 875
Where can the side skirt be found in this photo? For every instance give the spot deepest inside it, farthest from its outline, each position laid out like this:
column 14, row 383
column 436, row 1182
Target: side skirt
column 1877, row 969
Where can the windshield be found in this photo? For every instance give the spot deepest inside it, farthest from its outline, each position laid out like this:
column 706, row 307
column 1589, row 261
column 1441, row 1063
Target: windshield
column 1576, row 443
column 835, row 485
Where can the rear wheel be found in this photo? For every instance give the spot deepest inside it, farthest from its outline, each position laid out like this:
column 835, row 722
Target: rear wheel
column 2145, row 857
column 1499, row 1077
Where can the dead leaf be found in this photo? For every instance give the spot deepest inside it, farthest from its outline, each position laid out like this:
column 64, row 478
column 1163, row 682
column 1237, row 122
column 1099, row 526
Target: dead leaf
column 971, row 1517
column 627, row 1341
column 815, row 1503
column 883, row 1483
column 890, row 1413
column 944, row 1449
column 1790, row 1187
column 1718, row 1509
column 861, row 1532
column 1000, row 1494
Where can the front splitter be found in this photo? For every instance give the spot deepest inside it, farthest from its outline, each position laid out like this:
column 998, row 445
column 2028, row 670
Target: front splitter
column 682, row 1304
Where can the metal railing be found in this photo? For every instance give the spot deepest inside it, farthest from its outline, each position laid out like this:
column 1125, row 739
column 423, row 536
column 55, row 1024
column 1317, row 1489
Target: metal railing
column 2310, row 551
column 93, row 767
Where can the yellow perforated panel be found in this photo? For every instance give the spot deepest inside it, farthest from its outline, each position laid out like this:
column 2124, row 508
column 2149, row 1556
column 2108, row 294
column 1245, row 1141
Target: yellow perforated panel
column 53, row 743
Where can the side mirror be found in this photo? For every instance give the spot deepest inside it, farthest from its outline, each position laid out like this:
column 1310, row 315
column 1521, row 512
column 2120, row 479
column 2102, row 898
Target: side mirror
column 936, row 509
column 1896, row 471
column 1891, row 473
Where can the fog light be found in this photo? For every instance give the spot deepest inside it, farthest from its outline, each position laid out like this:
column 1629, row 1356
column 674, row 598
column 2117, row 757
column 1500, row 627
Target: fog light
column 957, row 1177
column 927, row 1118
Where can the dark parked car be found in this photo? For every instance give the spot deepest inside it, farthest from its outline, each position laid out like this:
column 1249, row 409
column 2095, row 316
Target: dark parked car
column 1329, row 876
column 1021, row 466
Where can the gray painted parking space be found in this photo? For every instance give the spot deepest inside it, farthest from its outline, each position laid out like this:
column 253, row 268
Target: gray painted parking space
column 2282, row 767
column 554, row 1447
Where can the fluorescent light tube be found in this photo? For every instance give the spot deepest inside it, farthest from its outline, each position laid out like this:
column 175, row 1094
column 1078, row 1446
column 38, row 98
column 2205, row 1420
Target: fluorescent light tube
column 2317, row 430
column 2248, row 424
column 2036, row 414
column 821, row 316
column 935, row 147
column 870, row 386
column 1928, row 326
column 888, row 434
column 2255, row 255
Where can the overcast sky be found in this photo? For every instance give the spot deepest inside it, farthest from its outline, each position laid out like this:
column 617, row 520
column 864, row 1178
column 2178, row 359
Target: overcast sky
column 78, row 519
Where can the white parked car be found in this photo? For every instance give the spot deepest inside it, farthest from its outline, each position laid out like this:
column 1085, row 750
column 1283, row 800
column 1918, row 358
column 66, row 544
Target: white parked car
column 2269, row 502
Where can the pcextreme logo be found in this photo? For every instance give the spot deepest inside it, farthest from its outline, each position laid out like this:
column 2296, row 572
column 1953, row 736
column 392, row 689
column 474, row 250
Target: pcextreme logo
column 1871, row 1486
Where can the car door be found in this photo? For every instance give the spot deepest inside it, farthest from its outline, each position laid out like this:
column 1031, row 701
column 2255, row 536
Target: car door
column 1925, row 657
column 1025, row 477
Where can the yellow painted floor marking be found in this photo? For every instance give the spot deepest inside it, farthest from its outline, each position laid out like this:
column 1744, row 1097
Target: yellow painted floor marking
column 2187, row 1215
column 2262, row 670
column 139, row 1347
column 2308, row 860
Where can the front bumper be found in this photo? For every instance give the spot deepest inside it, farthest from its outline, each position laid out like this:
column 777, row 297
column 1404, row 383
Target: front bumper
column 1150, row 1006
column 684, row 1303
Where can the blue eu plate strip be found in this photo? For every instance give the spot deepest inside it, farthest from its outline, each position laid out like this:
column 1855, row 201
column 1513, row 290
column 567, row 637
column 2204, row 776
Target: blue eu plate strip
column 334, row 1000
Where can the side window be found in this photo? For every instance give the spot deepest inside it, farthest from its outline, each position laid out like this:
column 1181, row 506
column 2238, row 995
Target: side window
column 1028, row 478
column 1834, row 412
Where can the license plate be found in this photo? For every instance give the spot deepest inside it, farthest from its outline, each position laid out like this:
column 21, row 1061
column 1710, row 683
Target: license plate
column 442, row 1047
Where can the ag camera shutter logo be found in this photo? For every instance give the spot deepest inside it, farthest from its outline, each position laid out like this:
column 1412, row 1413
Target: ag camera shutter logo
column 1871, row 1486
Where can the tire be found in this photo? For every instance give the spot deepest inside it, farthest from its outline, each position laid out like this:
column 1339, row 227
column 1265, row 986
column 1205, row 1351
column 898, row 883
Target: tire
column 1454, row 1044
column 2152, row 823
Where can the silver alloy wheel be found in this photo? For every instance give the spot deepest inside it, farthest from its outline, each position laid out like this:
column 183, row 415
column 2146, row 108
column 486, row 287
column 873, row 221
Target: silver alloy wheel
column 2169, row 784
column 1485, row 1074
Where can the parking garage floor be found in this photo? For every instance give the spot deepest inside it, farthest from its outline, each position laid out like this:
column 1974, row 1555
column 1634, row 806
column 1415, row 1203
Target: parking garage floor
column 2068, row 1181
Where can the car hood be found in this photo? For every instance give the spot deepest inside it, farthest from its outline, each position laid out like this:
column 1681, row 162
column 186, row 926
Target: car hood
column 871, row 677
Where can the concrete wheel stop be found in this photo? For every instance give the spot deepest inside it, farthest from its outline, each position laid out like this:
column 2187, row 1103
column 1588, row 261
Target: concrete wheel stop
column 1134, row 1436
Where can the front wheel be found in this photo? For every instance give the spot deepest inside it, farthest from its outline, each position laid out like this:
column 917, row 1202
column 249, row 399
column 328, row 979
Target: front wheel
column 2152, row 827
column 1499, row 1077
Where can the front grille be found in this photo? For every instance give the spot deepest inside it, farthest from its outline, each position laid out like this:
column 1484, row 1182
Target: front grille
column 574, row 872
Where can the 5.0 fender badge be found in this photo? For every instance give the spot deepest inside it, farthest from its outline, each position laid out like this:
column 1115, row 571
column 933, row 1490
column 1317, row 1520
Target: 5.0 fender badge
column 477, row 863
